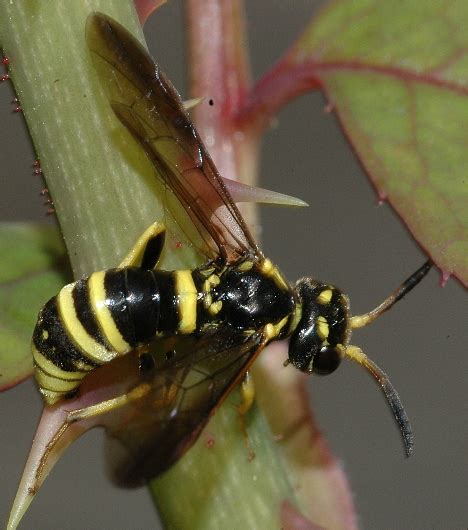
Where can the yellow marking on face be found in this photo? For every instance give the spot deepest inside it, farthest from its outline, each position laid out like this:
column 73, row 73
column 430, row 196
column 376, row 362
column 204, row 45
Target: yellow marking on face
column 45, row 334
column 98, row 299
column 48, row 367
column 76, row 332
column 322, row 327
column 186, row 301
column 215, row 307
column 325, row 296
column 245, row 266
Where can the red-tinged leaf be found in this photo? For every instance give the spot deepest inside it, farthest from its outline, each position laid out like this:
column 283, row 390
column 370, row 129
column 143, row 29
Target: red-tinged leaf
column 145, row 8
column 31, row 273
column 397, row 75
column 320, row 484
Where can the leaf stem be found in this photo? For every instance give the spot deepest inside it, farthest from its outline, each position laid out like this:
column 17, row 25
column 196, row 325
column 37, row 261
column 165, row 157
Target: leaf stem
column 282, row 83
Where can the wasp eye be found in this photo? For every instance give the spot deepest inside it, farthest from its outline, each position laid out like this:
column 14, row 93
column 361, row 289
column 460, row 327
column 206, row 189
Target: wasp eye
column 326, row 360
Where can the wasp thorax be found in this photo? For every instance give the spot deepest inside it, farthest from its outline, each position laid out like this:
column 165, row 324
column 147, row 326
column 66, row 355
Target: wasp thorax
column 318, row 343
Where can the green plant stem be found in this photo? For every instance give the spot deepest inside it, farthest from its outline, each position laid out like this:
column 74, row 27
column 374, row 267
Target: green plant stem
column 105, row 195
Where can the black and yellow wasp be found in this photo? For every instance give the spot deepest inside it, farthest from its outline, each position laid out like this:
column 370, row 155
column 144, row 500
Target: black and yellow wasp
column 216, row 318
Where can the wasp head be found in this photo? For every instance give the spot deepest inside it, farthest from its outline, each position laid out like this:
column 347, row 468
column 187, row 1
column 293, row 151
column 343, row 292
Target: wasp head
column 319, row 340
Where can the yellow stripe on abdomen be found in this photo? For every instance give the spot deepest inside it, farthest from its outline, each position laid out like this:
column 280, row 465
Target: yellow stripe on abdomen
column 76, row 331
column 54, row 382
column 53, row 370
column 186, row 293
column 98, row 298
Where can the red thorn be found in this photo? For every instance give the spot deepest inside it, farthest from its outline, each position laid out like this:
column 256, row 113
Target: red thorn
column 36, row 163
column 17, row 109
column 50, row 211
column 144, row 8
column 37, row 171
column 6, row 60
column 178, row 245
column 4, row 77
column 444, row 278
column 329, row 107
column 382, row 198
column 209, row 442
column 44, row 191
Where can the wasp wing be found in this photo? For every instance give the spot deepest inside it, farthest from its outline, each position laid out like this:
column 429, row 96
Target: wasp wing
column 155, row 431
column 148, row 105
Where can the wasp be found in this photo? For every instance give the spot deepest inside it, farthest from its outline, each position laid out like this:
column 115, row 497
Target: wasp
column 217, row 317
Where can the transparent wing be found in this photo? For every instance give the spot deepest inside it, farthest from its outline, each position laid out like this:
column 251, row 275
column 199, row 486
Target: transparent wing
column 155, row 431
column 148, row 105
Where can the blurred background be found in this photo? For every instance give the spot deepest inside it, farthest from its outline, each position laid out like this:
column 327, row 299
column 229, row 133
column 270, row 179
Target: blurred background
column 344, row 237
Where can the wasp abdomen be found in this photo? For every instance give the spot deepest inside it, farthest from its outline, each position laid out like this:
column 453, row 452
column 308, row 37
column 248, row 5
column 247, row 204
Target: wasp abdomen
column 133, row 301
column 89, row 323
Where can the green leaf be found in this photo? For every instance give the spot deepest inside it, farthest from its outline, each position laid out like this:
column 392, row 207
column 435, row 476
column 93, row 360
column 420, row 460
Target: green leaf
column 30, row 274
column 396, row 73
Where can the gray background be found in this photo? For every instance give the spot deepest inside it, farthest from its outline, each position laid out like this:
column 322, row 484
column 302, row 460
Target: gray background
column 344, row 237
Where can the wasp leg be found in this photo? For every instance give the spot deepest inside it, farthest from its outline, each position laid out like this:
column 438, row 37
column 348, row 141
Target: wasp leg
column 247, row 390
column 108, row 405
column 147, row 250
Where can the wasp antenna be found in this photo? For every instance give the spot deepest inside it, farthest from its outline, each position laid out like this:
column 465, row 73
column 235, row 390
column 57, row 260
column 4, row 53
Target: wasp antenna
column 359, row 321
column 393, row 399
